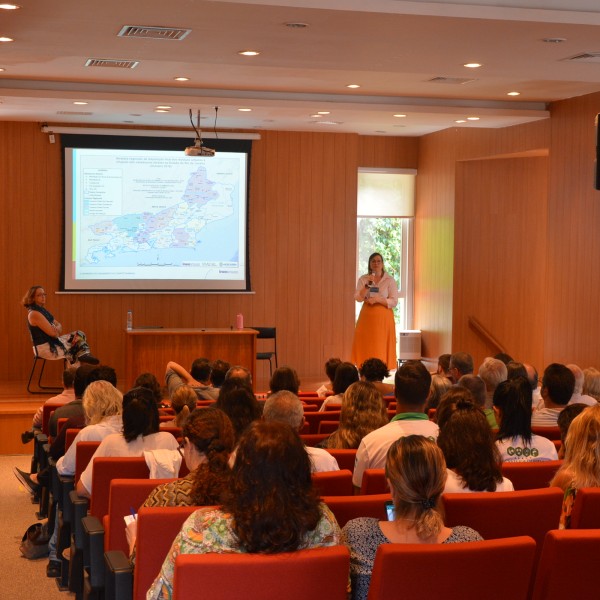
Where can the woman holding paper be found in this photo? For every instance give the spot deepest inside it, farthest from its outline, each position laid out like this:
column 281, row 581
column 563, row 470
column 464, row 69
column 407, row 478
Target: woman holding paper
column 375, row 333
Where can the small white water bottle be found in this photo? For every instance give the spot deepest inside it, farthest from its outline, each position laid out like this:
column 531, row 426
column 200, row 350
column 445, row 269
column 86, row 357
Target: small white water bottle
column 129, row 320
column 239, row 321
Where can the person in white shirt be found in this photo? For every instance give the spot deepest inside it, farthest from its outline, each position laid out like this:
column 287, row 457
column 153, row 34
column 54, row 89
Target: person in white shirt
column 140, row 433
column 578, row 397
column 345, row 375
column 285, row 407
column 558, row 384
column 102, row 405
column 465, row 438
column 516, row 443
column 412, row 384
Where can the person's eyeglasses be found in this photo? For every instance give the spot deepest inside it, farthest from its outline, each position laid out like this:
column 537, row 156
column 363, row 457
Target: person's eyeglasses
column 181, row 447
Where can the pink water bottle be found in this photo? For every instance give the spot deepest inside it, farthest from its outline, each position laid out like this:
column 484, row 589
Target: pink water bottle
column 239, row 321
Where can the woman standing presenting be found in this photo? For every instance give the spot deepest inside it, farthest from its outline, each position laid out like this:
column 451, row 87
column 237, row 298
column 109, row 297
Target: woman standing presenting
column 375, row 333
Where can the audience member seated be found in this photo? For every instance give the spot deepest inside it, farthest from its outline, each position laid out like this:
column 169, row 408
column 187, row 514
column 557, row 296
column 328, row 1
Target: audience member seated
column 581, row 466
column 330, row 367
column 578, row 397
column 66, row 396
column 564, row 422
column 183, row 402
column 218, row 371
column 149, row 380
column 285, row 407
column 516, row 443
column 240, row 372
column 533, row 379
column 374, row 370
column 476, row 386
column 443, row 367
column 416, row 473
column 472, row 458
column 198, row 378
column 591, row 383
column 284, row 378
column 558, row 384
column 271, row 506
column 504, row 357
column 208, row 440
column 363, row 411
column 412, row 383
column 345, row 375
column 461, row 364
column 493, row 372
column 140, row 434
column 239, row 403
column 440, row 384
column 515, row 369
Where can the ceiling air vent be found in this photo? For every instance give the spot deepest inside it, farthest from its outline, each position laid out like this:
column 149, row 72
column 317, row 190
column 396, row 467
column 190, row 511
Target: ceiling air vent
column 593, row 57
column 111, row 62
column 452, row 80
column 155, row 33
column 73, row 112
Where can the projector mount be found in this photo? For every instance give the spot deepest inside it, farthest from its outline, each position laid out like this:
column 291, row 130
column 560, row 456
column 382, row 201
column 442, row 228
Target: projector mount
column 198, row 149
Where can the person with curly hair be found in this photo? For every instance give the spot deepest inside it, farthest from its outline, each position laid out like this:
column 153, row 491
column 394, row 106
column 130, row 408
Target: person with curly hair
column 375, row 371
column 363, row 411
column 473, row 460
column 271, row 506
column 416, row 473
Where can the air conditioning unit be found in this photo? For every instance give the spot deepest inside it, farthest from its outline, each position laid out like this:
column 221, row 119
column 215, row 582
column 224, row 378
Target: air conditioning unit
column 409, row 344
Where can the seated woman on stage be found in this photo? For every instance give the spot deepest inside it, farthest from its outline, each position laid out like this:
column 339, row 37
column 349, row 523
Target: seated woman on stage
column 581, row 466
column 345, row 375
column 271, row 506
column 46, row 332
column 512, row 407
column 140, row 433
column 473, row 460
column 416, row 473
column 363, row 411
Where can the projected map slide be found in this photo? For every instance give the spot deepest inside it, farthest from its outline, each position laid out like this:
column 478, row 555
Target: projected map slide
column 140, row 216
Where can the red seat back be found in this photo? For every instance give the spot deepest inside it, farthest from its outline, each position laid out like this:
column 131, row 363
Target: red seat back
column 70, row 435
column 124, row 495
column 453, row 571
column 374, row 482
column 345, row 457
column 156, row 530
column 333, row 483
column 567, row 567
column 312, row 439
column 586, row 509
column 313, row 419
column 346, row 508
column 552, row 433
column 531, row 475
column 311, row 574
column 328, row 426
column 83, row 455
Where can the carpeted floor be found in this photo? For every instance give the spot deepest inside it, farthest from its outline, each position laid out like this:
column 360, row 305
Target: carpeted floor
column 20, row 578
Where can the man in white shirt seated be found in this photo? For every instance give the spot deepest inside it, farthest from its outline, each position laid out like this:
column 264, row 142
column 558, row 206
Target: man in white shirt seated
column 578, row 396
column 558, row 384
column 412, row 384
column 285, row 407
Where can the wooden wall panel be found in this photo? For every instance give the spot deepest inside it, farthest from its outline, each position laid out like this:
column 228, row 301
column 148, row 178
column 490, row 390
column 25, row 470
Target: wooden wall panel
column 302, row 247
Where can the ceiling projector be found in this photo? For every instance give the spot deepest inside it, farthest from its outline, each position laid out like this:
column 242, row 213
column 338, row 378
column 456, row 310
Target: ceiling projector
column 198, row 149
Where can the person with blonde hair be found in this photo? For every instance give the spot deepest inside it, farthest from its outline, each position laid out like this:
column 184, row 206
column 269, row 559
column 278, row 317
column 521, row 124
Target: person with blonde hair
column 416, row 473
column 591, row 383
column 581, row 465
column 363, row 411
column 183, row 403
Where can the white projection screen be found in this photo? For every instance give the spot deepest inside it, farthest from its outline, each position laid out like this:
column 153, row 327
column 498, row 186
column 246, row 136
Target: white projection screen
column 141, row 216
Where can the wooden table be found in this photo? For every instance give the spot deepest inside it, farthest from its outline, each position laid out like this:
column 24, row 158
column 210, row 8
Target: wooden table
column 149, row 350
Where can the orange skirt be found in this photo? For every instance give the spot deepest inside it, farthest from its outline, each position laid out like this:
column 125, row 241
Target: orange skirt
column 375, row 335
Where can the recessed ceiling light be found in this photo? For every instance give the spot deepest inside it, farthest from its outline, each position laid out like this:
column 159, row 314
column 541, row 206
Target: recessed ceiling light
column 353, row 86
column 2, row 69
column 245, row 109
column 324, row 112
column 248, row 52
column 554, row 40
column 316, row 116
column 399, row 115
column 9, row 6
column 472, row 65
column 160, row 110
column 164, row 107
column 80, row 103
column 460, row 121
column 328, row 122
column 472, row 118
column 513, row 94
column 181, row 78
column 6, row 39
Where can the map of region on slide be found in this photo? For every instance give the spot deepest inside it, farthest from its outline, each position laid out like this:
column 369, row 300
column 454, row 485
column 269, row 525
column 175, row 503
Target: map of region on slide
column 154, row 216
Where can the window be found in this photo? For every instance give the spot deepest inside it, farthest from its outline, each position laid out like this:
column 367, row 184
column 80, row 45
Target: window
column 385, row 215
